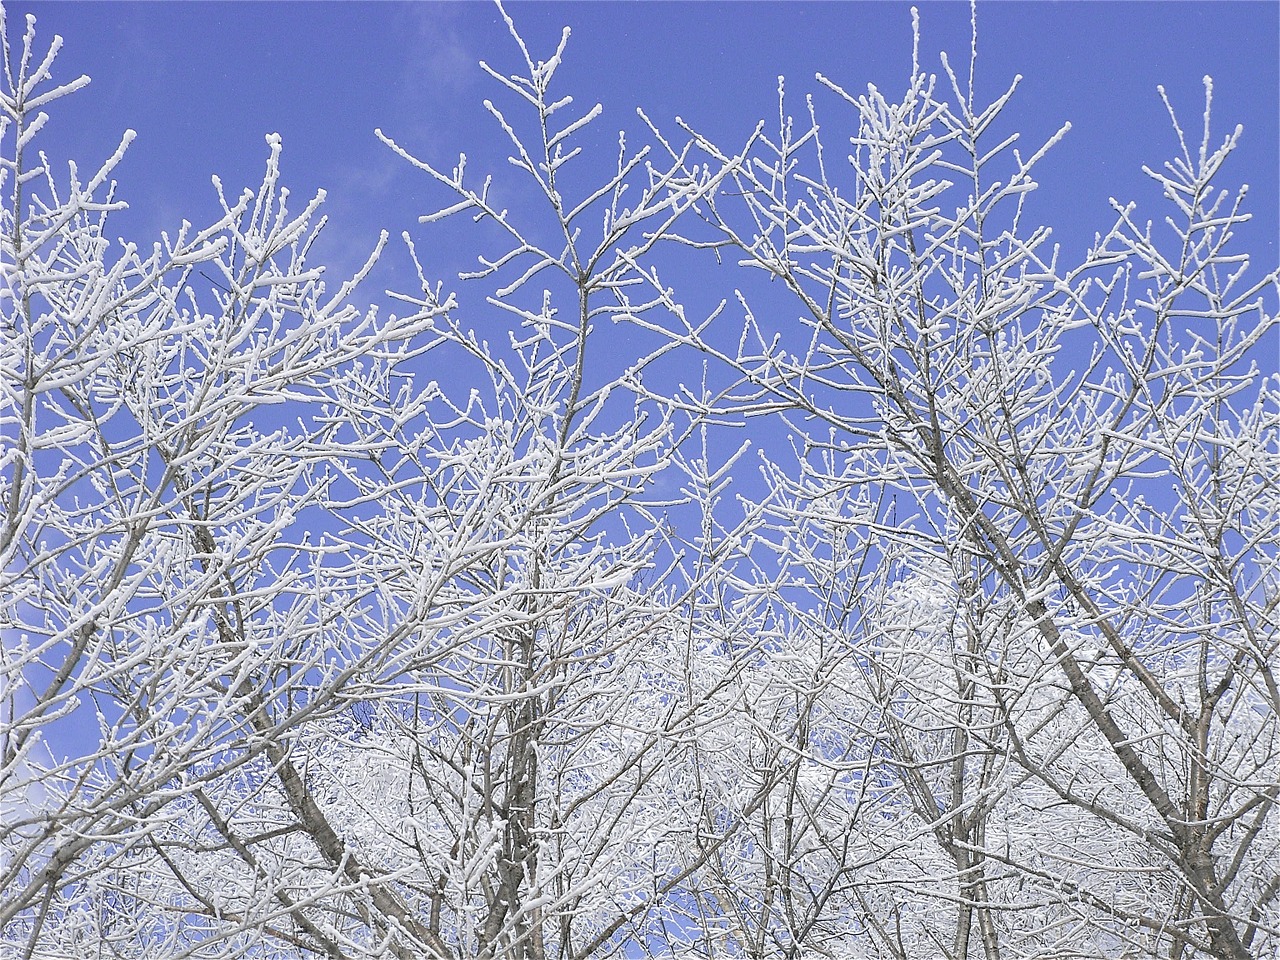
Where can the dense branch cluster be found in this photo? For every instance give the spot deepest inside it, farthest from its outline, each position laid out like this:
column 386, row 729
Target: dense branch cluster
column 310, row 649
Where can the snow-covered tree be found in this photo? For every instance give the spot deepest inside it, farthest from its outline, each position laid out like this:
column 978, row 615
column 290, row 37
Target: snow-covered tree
column 337, row 630
column 1076, row 467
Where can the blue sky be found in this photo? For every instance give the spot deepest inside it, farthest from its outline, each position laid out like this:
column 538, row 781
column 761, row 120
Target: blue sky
column 203, row 82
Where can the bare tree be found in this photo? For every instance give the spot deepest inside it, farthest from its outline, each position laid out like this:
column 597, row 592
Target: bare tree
column 333, row 631
column 1089, row 455
column 155, row 634
column 378, row 666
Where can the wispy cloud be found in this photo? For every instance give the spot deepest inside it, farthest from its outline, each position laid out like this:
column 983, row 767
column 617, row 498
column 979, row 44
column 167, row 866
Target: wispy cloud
column 447, row 65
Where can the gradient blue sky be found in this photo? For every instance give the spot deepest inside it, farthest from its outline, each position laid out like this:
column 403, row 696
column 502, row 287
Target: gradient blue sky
column 203, row 82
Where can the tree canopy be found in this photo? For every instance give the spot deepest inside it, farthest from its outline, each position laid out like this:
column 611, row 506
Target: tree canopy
column 921, row 598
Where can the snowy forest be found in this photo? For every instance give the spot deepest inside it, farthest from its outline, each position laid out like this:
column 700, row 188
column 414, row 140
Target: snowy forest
column 919, row 600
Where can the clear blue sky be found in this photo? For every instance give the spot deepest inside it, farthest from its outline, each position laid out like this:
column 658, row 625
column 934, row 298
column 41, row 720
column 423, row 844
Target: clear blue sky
column 203, row 82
